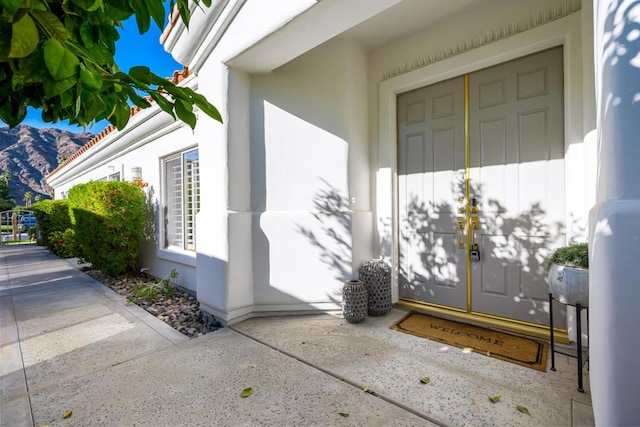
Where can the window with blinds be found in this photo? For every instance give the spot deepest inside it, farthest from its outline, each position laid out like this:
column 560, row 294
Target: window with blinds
column 181, row 200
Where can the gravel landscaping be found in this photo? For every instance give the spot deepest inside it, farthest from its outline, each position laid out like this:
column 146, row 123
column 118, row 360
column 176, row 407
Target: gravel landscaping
column 180, row 310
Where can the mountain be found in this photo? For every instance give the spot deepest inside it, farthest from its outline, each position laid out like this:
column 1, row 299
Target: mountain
column 30, row 154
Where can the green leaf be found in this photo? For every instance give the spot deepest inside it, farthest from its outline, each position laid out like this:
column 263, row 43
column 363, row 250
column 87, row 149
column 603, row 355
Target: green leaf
column 92, row 106
column 494, row 399
column 523, row 409
column 61, row 63
column 202, row 103
column 247, row 392
column 97, row 4
column 165, row 105
column 24, row 37
column 185, row 13
column 90, row 80
column 67, row 414
column 118, row 10
column 12, row 110
column 344, row 414
column 51, row 24
column 53, row 87
column 156, row 9
column 109, row 35
column 208, row 108
column 32, row 69
column 10, row 5
column 120, row 115
column 137, row 99
column 87, row 34
column 161, row 81
column 184, row 113
column 141, row 73
column 425, row 380
column 66, row 99
column 88, row 5
column 142, row 15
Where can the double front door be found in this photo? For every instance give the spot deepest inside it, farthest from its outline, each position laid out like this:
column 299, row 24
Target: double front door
column 482, row 188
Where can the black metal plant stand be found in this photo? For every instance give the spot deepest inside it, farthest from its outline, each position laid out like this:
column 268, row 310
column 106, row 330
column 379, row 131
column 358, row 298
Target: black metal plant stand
column 579, row 308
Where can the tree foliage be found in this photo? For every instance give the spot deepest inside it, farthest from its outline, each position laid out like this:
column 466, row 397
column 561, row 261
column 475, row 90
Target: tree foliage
column 27, row 198
column 58, row 56
column 6, row 201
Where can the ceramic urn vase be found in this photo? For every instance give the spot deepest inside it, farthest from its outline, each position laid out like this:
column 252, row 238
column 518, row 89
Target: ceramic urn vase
column 569, row 285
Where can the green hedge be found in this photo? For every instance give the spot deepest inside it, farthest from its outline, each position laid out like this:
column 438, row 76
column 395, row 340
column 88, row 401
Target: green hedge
column 52, row 216
column 108, row 219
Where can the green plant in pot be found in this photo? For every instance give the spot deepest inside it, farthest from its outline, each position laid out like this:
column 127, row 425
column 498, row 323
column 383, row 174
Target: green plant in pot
column 568, row 274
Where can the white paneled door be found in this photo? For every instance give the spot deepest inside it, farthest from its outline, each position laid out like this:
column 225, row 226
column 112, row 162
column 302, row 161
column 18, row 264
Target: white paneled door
column 481, row 188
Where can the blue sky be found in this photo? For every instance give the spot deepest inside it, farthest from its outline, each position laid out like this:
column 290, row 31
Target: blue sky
column 132, row 49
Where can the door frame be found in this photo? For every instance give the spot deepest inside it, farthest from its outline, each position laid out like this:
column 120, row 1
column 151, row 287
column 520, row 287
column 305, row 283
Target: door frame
column 565, row 32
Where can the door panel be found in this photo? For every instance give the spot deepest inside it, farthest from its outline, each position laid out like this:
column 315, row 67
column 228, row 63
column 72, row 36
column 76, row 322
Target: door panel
column 516, row 180
column 431, row 174
column 517, row 174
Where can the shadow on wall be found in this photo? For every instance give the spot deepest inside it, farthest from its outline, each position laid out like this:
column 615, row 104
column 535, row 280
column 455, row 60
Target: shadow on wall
column 506, row 240
column 331, row 210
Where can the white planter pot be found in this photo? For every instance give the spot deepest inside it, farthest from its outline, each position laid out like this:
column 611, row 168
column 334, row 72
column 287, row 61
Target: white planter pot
column 569, row 285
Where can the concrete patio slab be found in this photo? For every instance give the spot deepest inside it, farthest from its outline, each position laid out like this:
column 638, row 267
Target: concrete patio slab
column 201, row 385
column 391, row 363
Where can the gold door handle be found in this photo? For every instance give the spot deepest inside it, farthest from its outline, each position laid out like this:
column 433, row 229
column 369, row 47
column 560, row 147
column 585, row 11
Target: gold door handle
column 475, row 222
column 474, row 250
column 461, row 226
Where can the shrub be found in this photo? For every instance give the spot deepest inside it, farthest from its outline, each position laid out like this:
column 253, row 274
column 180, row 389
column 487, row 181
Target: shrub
column 52, row 216
column 108, row 219
column 574, row 255
column 63, row 243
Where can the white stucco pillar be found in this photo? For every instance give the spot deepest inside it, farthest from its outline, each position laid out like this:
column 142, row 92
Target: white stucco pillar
column 615, row 219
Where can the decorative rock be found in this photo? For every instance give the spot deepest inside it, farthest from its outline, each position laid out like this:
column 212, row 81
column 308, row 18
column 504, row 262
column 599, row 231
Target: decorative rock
column 377, row 275
column 181, row 311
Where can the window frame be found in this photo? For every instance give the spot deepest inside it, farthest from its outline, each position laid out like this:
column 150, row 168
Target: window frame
column 187, row 216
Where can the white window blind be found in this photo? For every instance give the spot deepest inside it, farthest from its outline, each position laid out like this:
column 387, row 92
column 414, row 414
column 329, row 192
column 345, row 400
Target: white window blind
column 181, row 200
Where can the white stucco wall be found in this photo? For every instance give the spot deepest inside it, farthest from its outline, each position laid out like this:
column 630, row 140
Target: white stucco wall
column 309, row 178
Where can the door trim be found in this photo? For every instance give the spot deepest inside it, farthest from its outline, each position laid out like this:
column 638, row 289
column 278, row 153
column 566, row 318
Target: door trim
column 467, row 189
column 565, row 32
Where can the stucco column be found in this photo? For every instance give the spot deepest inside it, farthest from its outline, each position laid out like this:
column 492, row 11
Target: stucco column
column 615, row 220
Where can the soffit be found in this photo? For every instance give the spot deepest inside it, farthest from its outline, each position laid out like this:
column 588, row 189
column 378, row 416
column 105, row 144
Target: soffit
column 405, row 18
column 371, row 23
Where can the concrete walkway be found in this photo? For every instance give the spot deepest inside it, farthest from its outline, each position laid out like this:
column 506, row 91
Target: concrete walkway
column 70, row 344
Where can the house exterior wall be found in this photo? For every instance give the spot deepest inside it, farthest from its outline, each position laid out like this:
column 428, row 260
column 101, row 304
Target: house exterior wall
column 309, row 178
column 298, row 184
column 264, row 223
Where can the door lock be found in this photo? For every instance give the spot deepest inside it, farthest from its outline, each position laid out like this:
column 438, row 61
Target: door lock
column 474, row 253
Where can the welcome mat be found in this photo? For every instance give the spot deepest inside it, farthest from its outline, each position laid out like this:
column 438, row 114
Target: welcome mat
column 511, row 348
